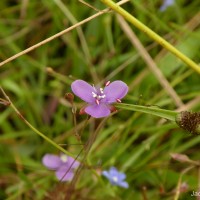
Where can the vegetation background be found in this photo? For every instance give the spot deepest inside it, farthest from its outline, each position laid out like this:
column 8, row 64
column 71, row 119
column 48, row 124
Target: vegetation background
column 101, row 49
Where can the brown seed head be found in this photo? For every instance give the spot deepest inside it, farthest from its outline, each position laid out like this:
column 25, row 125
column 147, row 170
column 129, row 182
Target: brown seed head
column 189, row 121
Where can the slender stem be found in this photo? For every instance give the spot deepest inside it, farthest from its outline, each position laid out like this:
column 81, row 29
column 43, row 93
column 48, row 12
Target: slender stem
column 87, row 148
column 101, row 12
column 177, row 194
column 152, row 34
column 32, row 127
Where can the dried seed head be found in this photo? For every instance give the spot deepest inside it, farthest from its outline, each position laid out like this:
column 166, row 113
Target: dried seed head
column 189, row 121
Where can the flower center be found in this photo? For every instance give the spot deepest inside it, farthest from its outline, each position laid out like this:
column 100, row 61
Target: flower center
column 64, row 158
column 98, row 95
column 115, row 178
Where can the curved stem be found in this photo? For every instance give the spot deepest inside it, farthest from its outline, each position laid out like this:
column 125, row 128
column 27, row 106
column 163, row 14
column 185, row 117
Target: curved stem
column 33, row 128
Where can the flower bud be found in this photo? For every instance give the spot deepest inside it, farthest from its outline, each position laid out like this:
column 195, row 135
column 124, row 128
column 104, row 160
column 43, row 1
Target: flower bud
column 189, row 121
column 112, row 109
column 180, row 157
column 4, row 102
column 82, row 111
column 69, row 97
column 49, row 70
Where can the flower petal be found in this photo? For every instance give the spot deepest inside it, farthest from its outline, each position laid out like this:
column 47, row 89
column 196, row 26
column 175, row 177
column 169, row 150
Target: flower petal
column 51, row 161
column 116, row 90
column 98, row 111
column 83, row 90
column 63, row 174
column 107, row 175
column 75, row 163
column 123, row 184
column 113, row 171
column 166, row 4
column 115, row 177
column 121, row 176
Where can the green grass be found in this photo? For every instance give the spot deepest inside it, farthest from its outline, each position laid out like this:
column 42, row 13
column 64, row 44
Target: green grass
column 136, row 139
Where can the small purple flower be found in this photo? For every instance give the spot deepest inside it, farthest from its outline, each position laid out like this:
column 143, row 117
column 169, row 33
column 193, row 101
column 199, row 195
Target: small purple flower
column 61, row 164
column 166, row 4
column 115, row 177
column 99, row 99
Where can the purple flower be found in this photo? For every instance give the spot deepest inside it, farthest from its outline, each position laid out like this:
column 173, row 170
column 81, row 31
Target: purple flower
column 99, row 99
column 63, row 165
column 115, row 177
column 166, row 4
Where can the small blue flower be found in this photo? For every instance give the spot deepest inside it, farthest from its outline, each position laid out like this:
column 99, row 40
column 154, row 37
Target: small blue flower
column 166, row 4
column 115, row 177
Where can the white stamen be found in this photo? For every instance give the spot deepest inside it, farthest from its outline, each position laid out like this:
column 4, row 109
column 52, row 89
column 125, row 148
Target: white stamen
column 63, row 158
column 94, row 95
column 118, row 100
column 97, row 96
column 101, row 90
column 115, row 179
column 101, row 96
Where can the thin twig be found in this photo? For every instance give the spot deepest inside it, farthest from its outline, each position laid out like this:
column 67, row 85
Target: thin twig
column 177, row 194
column 190, row 104
column 87, row 147
column 71, row 164
column 58, row 34
column 81, row 36
column 90, row 6
column 4, row 102
column 152, row 34
column 150, row 62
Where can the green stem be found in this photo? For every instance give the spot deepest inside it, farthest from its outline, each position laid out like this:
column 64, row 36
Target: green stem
column 152, row 34
column 167, row 114
column 33, row 128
